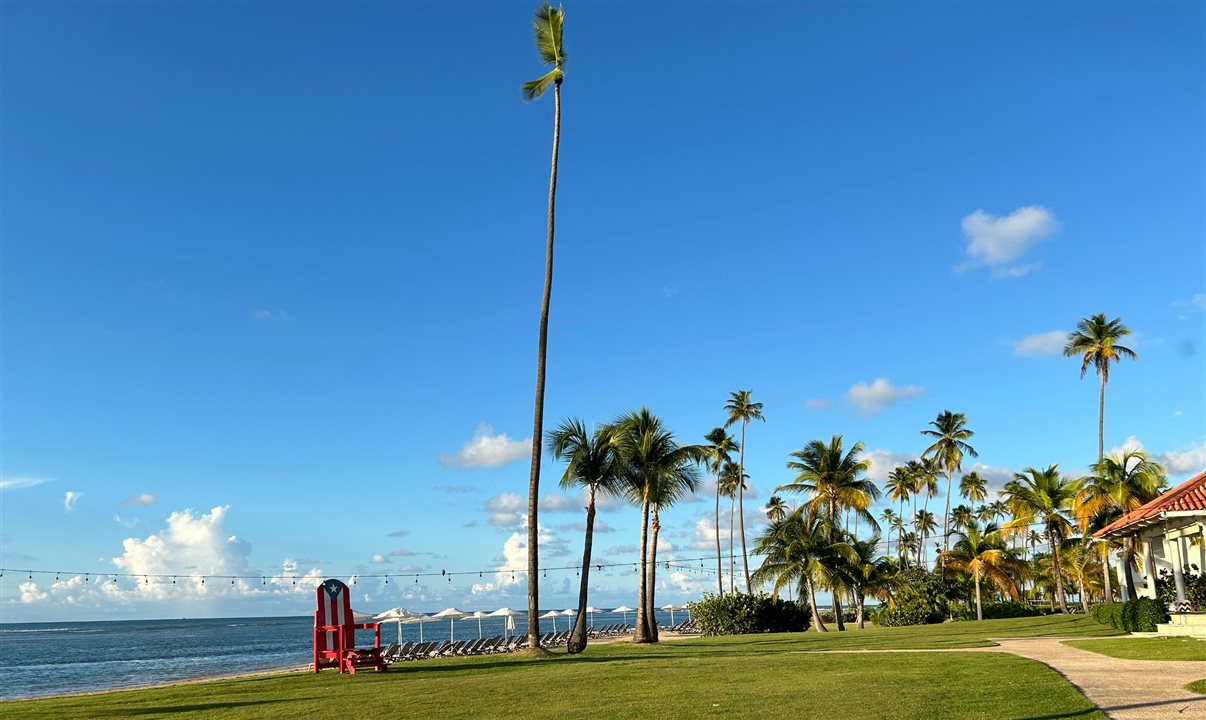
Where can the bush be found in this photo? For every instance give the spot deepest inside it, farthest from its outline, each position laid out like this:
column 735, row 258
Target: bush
column 1140, row 615
column 924, row 598
column 740, row 614
column 901, row 616
column 1195, row 587
column 827, row 616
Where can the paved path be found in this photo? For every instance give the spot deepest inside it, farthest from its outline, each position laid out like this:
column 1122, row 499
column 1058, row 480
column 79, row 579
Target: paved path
column 1122, row 689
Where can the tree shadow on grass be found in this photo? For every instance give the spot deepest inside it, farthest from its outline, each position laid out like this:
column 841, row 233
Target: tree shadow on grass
column 161, row 710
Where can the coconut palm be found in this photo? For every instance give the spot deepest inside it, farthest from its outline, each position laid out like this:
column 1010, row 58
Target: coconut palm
column 548, row 24
column 798, row 550
column 730, row 479
column 720, row 446
column 1079, row 562
column 950, row 435
column 654, row 468
column 672, row 485
column 834, row 480
column 1095, row 342
column 741, row 409
column 910, row 544
column 984, row 556
column 899, row 488
column 924, row 473
column 1119, row 483
column 776, row 509
column 973, row 487
column 1043, row 497
column 869, row 574
column 961, row 517
column 924, row 523
column 591, row 463
column 889, row 517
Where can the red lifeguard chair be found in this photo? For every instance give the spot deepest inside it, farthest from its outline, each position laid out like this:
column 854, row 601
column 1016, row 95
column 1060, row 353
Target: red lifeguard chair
column 335, row 632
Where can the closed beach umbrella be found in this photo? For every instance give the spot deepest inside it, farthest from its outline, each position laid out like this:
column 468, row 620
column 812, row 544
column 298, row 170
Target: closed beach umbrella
column 554, row 615
column 625, row 610
column 398, row 615
column 479, row 615
column 509, row 614
column 591, row 611
column 452, row 614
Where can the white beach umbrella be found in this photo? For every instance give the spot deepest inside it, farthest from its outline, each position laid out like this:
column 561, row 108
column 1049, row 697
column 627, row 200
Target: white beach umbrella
column 418, row 620
column 509, row 614
column 625, row 610
column 591, row 611
column 398, row 615
column 452, row 614
column 554, row 615
column 479, row 615
column 671, row 608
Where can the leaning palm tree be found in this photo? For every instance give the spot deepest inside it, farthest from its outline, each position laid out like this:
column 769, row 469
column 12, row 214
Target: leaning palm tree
column 1119, row 483
column 798, row 550
column 983, row 555
column 834, row 479
column 950, row 435
column 719, row 448
column 1043, row 497
column 741, row 409
column 652, row 463
column 776, row 509
column 1095, row 342
column 973, row 487
column 548, row 24
column 591, row 463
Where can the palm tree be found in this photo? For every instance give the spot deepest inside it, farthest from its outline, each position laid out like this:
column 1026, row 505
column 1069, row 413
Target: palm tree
column 1079, row 561
column 892, row 520
column 1119, row 483
column 924, row 473
column 1095, row 341
column 720, row 445
column 924, row 523
column 983, row 555
column 961, row 517
column 833, row 478
column 950, row 435
column 909, row 544
column 798, row 549
column 1043, row 497
column 973, row 487
column 654, row 468
column 677, row 479
column 869, row 574
column 900, row 488
column 776, row 509
column 591, row 463
column 548, row 24
column 729, row 483
column 741, row 409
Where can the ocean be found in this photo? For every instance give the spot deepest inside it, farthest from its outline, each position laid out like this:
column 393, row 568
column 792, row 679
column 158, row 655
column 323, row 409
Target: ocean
column 38, row 659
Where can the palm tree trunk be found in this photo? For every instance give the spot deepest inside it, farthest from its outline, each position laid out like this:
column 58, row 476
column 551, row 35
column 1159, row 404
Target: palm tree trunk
column 1084, row 599
column 577, row 641
column 651, row 588
column 1059, row 576
column 837, row 611
column 719, row 568
column 1105, row 571
column 538, row 415
column 817, row 623
column 979, row 606
column 641, row 633
column 1101, row 420
column 861, row 602
column 745, row 558
column 946, row 534
column 732, row 557
column 900, row 532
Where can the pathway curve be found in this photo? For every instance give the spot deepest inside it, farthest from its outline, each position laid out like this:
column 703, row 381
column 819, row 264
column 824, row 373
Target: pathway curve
column 1122, row 689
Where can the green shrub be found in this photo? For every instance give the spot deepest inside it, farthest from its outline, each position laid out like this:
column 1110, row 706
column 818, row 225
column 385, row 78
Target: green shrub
column 1195, row 587
column 903, row 615
column 1140, row 615
column 741, row 614
column 1005, row 610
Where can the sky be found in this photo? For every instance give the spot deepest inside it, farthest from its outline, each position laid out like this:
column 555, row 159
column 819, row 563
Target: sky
column 271, row 273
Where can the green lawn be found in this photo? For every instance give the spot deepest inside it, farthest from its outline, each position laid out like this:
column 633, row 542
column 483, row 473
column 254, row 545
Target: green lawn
column 763, row 676
column 1164, row 648
column 1197, row 686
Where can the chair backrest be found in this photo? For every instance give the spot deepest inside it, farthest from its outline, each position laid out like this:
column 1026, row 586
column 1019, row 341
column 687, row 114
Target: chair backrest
column 334, row 610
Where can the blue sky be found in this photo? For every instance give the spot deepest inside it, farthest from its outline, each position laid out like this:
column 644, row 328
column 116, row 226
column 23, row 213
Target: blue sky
column 271, row 272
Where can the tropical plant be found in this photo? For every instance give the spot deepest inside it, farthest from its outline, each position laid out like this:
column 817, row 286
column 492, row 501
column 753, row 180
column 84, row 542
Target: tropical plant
column 1095, row 342
column 741, row 410
column 909, row 544
column 798, row 550
column 925, row 524
column 656, row 471
column 592, row 464
column 984, row 556
column 961, row 517
column 548, row 24
column 719, row 448
column 973, row 487
column 740, row 613
column 869, row 574
column 899, row 488
column 1043, row 497
column 776, row 509
column 730, row 480
column 1080, row 563
column 950, row 435
column 834, row 480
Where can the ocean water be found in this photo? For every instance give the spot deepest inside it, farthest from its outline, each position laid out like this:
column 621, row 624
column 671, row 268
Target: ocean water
column 39, row 659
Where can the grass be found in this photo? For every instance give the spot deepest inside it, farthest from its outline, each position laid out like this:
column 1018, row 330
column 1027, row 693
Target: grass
column 1165, row 648
column 1197, row 686
column 761, row 675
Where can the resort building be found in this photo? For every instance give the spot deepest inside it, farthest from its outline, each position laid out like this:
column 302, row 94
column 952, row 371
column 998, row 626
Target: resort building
column 1171, row 535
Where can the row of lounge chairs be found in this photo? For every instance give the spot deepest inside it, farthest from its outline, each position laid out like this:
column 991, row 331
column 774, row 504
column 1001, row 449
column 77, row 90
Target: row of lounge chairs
column 409, row 650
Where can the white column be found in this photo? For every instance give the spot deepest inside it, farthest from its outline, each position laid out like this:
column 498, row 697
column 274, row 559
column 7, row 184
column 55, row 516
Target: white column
column 1174, row 556
column 1120, row 565
column 1149, row 570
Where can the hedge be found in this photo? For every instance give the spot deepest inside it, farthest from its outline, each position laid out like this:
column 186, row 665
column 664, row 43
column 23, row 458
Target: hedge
column 1140, row 615
column 741, row 614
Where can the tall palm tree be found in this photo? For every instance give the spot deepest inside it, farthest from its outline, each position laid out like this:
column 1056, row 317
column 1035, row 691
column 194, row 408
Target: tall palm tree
column 1119, row 483
column 924, row 473
column 730, row 479
column 961, row 517
column 653, row 464
column 776, row 509
column 950, row 435
column 1095, row 341
column 1043, row 497
column 798, row 549
column 741, row 409
column 973, row 487
column 548, row 24
column 925, row 524
column 892, row 520
column 1079, row 561
column 677, row 479
column 983, row 555
column 591, row 463
column 900, row 488
column 720, row 446
column 834, row 479
column 910, row 544
column 869, row 574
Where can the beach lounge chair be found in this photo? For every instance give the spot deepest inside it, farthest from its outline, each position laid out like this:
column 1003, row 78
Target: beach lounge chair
column 335, row 632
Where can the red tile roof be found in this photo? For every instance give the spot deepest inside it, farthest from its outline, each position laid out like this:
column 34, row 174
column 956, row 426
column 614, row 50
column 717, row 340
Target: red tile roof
column 1188, row 496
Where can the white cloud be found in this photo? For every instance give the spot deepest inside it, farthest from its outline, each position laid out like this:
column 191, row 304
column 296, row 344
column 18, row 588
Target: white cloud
column 1195, row 304
column 624, row 550
column 670, row 291
column 1190, row 460
column 485, row 449
column 30, row 593
column 379, row 559
column 871, row 399
column 140, row 499
column 884, row 461
column 996, row 241
column 69, row 500
column 20, row 482
column 265, row 315
column 996, row 477
column 127, row 522
column 504, row 509
column 1046, row 344
column 559, row 503
column 817, row 404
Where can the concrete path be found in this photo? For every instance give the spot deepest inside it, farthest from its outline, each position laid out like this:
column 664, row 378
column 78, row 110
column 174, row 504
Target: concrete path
column 1122, row 689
